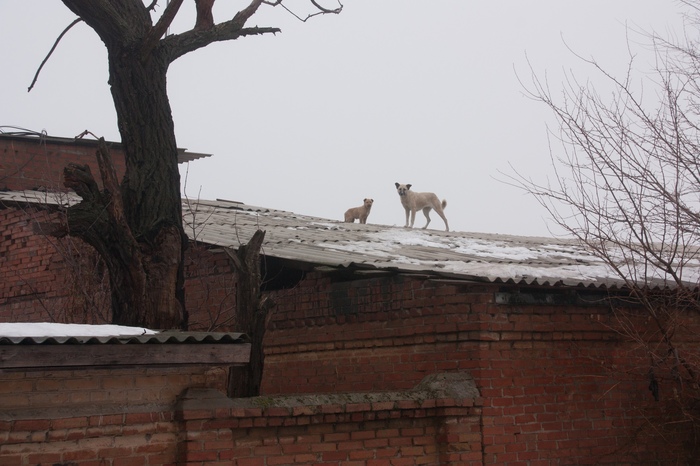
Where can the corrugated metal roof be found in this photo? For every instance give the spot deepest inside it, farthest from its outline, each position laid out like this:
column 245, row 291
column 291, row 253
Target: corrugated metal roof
column 470, row 256
column 322, row 242
column 167, row 349
column 38, row 197
column 166, row 337
column 183, row 155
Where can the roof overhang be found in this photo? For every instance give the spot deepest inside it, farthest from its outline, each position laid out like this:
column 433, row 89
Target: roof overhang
column 166, row 349
column 183, row 155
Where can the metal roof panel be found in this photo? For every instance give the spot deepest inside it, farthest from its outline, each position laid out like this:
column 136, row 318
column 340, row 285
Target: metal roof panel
column 325, row 242
column 167, row 337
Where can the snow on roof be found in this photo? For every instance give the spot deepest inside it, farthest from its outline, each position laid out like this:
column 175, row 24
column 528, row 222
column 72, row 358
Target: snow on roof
column 50, row 333
column 488, row 257
column 49, row 329
column 474, row 256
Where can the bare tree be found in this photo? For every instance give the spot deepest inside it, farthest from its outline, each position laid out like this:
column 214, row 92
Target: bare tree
column 136, row 225
column 627, row 185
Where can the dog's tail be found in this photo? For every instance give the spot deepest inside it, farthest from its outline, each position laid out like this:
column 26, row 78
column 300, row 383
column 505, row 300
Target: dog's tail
column 444, row 203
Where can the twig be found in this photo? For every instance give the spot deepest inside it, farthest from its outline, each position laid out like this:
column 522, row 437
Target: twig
column 36, row 76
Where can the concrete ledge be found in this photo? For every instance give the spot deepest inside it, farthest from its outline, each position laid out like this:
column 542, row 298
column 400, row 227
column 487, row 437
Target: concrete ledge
column 447, row 390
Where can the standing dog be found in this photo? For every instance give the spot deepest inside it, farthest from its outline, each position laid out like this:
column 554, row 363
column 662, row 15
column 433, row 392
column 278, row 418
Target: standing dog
column 360, row 213
column 413, row 202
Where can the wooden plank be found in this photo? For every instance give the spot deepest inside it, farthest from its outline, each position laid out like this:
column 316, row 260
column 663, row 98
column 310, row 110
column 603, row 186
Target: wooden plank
column 52, row 356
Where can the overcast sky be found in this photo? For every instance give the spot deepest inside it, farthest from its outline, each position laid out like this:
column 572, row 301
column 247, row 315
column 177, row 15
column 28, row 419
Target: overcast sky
column 339, row 108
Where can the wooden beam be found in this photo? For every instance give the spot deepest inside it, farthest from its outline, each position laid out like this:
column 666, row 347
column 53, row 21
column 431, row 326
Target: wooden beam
column 71, row 356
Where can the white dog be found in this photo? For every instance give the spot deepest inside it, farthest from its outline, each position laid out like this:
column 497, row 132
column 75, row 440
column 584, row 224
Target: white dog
column 361, row 213
column 413, row 202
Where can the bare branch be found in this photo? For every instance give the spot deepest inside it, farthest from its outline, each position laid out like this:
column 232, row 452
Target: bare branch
column 205, row 17
column 36, row 76
column 181, row 44
column 321, row 10
column 242, row 16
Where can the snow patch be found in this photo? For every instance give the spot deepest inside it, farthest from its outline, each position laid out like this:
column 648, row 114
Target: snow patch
column 48, row 329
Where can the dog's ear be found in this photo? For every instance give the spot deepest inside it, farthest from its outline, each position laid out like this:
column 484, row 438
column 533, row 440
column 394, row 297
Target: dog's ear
column 408, row 186
column 397, row 185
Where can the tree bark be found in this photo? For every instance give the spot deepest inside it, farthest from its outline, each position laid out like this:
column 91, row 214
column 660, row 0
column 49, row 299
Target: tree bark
column 101, row 220
column 151, row 186
column 253, row 313
column 205, row 18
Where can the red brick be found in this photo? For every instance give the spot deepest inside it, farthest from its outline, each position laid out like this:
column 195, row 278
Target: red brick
column 251, row 462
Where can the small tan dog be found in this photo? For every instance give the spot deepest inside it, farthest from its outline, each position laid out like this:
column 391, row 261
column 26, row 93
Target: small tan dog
column 412, row 202
column 361, row 213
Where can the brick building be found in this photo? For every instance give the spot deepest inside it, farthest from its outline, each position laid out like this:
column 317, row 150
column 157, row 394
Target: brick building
column 386, row 347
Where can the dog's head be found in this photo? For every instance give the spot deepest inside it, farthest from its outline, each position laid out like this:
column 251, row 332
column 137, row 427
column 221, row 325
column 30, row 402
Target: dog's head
column 368, row 202
column 402, row 188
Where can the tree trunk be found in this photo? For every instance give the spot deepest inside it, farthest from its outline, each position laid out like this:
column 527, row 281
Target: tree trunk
column 151, row 192
column 137, row 226
column 252, row 316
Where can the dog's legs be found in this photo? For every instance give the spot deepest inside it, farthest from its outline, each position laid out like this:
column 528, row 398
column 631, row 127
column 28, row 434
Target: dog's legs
column 426, row 212
column 407, row 214
column 447, row 227
column 444, row 219
column 413, row 217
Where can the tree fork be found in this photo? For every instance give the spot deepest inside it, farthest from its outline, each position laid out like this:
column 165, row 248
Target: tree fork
column 138, row 270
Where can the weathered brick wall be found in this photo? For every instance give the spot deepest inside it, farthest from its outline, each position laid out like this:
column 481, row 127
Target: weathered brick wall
column 379, row 334
column 119, row 439
column 559, row 383
column 181, row 416
column 28, row 393
column 45, row 279
column 38, row 164
column 121, row 416
column 210, row 289
column 430, row 431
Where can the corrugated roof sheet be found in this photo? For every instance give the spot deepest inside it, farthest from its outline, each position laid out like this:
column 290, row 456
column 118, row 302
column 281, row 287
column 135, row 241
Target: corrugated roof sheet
column 166, row 337
column 473, row 256
column 322, row 242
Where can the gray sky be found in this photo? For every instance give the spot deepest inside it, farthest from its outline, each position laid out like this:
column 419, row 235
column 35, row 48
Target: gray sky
column 339, row 108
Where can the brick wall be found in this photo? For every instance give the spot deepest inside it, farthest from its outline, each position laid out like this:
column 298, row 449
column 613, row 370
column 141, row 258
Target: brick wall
column 27, row 163
column 560, row 383
column 409, row 428
column 210, row 289
column 89, row 417
column 45, row 279
column 135, row 417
